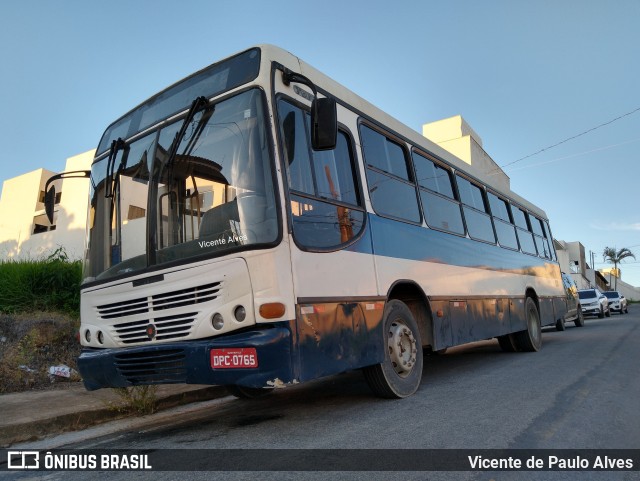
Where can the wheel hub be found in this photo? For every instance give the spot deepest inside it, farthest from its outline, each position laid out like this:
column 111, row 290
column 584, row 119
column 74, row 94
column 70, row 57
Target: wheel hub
column 402, row 348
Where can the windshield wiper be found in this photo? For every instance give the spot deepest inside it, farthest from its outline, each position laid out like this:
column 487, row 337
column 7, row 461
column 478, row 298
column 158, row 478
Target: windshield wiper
column 116, row 146
column 196, row 106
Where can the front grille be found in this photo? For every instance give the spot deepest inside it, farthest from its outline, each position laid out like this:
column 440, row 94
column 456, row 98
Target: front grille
column 186, row 297
column 159, row 302
column 124, row 308
column 168, row 327
column 153, row 367
column 136, row 315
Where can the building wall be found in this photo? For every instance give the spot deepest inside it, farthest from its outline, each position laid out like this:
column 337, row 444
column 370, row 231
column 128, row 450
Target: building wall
column 21, row 211
column 456, row 136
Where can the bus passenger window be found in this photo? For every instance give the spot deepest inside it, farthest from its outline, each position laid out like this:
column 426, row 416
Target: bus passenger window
column 505, row 230
column 475, row 211
column 525, row 236
column 392, row 193
column 441, row 209
column 538, row 235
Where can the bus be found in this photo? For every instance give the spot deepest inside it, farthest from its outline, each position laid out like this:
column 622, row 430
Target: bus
column 257, row 225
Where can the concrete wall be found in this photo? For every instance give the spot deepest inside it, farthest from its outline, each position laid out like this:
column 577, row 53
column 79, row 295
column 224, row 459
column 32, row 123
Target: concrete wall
column 456, row 136
column 20, row 211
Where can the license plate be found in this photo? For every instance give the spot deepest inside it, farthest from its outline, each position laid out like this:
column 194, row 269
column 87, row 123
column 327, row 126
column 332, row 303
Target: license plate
column 234, row 358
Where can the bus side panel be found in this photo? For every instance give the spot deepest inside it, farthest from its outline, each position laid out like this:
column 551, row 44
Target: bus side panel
column 337, row 337
column 518, row 320
column 547, row 315
column 560, row 307
column 441, row 325
column 478, row 319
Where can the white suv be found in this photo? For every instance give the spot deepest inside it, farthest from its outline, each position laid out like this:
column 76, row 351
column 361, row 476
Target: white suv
column 617, row 302
column 594, row 303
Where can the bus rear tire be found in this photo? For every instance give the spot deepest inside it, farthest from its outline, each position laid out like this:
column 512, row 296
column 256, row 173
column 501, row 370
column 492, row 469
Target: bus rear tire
column 560, row 324
column 400, row 373
column 530, row 340
column 579, row 322
column 242, row 392
column 507, row 343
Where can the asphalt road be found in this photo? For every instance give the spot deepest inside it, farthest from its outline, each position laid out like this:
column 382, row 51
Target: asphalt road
column 581, row 391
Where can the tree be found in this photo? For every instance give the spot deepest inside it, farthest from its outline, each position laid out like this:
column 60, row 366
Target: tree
column 614, row 256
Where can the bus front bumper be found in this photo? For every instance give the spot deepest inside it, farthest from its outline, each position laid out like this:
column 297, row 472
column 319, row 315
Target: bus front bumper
column 192, row 362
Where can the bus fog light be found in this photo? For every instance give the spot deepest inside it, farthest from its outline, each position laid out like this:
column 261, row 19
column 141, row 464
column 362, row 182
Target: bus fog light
column 87, row 335
column 240, row 313
column 100, row 337
column 217, row 321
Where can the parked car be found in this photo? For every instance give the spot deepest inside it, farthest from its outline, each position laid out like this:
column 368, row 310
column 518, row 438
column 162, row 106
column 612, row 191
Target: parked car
column 594, row 303
column 617, row 302
column 574, row 310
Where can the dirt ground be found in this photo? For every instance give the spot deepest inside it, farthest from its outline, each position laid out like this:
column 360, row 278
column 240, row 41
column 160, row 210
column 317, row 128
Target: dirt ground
column 31, row 344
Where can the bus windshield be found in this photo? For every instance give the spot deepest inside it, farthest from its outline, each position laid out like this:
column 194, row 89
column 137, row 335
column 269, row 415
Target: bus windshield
column 213, row 196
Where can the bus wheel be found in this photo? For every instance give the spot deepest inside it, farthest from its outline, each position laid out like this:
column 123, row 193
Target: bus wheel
column 531, row 338
column 242, row 392
column 560, row 326
column 579, row 322
column 400, row 373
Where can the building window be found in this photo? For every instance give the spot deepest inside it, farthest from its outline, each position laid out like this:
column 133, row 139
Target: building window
column 135, row 212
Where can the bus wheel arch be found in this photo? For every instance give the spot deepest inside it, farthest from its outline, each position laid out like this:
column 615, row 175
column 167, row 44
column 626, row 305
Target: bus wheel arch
column 415, row 299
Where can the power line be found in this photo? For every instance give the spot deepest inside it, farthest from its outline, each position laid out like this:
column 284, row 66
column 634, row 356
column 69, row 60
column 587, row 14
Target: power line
column 573, row 137
column 574, row 155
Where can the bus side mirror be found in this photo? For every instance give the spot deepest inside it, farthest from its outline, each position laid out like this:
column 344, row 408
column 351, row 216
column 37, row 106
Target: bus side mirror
column 49, row 203
column 50, row 195
column 324, row 124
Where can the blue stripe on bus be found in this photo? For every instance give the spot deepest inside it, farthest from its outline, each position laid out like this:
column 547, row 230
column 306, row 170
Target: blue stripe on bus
column 400, row 240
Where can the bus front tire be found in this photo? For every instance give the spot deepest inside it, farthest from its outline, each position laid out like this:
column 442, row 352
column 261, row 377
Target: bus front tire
column 399, row 375
column 530, row 340
column 579, row 322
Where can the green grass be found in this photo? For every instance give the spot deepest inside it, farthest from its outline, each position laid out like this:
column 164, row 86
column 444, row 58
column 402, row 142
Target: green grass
column 47, row 284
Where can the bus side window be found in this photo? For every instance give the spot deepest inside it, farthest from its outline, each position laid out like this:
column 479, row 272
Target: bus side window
column 525, row 236
column 475, row 210
column 441, row 209
column 538, row 235
column 505, row 229
column 549, row 240
column 324, row 198
column 391, row 190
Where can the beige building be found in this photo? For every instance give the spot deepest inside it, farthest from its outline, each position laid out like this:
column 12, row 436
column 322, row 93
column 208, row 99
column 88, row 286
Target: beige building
column 25, row 231
column 455, row 135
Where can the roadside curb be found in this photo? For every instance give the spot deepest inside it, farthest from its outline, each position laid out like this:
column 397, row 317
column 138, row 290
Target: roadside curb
column 60, row 423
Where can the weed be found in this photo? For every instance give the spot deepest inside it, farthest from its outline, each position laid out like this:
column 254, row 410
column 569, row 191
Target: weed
column 47, row 284
column 137, row 399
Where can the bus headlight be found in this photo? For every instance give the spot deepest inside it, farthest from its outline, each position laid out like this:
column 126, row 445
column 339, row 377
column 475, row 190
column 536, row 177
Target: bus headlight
column 87, row 335
column 217, row 321
column 240, row 313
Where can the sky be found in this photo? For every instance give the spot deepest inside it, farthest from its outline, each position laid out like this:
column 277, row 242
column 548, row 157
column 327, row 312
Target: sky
column 526, row 75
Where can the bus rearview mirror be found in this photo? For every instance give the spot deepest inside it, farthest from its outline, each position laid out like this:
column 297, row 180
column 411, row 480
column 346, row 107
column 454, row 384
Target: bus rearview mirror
column 49, row 203
column 324, row 124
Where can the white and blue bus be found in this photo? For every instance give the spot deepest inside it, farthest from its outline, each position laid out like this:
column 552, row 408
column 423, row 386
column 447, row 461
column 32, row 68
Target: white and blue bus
column 257, row 225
